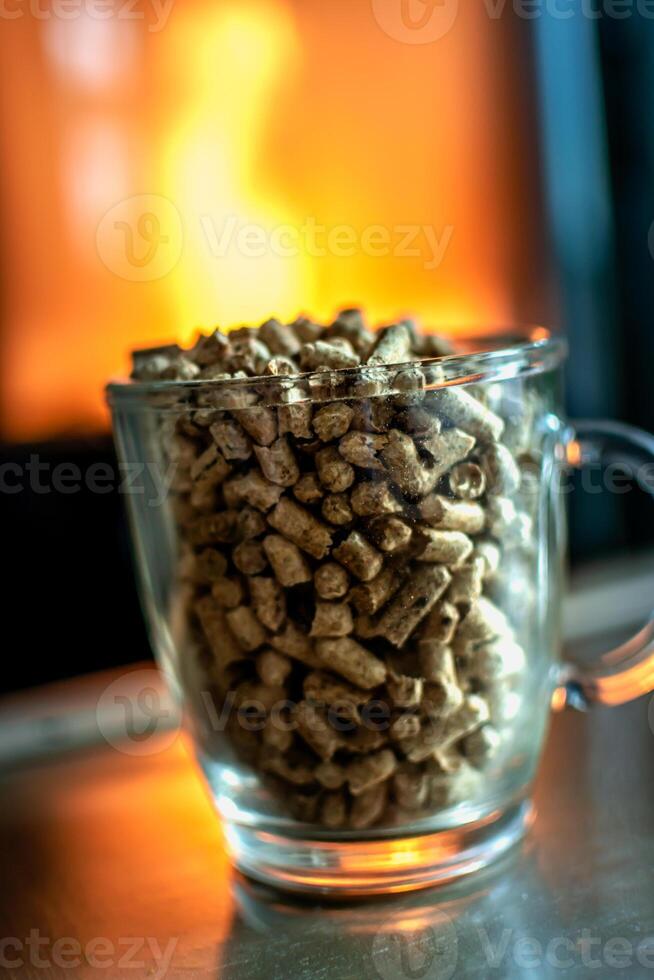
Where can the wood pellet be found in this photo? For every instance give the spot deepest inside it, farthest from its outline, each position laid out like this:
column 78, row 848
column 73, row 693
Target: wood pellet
column 347, row 529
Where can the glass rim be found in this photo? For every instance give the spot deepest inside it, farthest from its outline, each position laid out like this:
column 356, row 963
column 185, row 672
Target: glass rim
column 483, row 359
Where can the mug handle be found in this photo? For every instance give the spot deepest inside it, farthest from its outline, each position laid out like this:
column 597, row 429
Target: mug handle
column 626, row 672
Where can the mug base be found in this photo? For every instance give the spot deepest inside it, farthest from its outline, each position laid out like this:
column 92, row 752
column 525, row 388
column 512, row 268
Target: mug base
column 375, row 867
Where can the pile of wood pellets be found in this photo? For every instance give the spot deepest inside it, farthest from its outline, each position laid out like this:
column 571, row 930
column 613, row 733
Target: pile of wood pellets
column 342, row 521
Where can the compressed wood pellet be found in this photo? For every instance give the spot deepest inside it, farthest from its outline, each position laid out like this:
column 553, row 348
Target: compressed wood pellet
column 314, row 727
column 505, row 524
column 209, row 349
column 467, row 583
column 210, row 458
column 347, row 657
column 301, row 527
column 331, row 581
column 429, row 739
column 351, row 325
column 253, row 489
column 493, row 660
column 336, row 509
column 484, row 621
column 308, row 489
column 447, row 448
column 469, row 414
column 275, row 737
column 411, row 788
column 491, row 554
column 453, row 515
column 390, row 534
column 365, row 740
column 404, row 692
column 373, row 499
column 228, row 592
column 361, row 449
column 281, row 366
column 249, row 557
column 295, row 643
column 306, row 330
column 333, row 813
column 279, row 764
column 332, row 421
column 233, row 442
column 350, row 544
column 363, row 774
column 209, row 565
column 332, row 619
column 287, row 561
column 278, row 463
column 501, row 471
column 404, row 726
column 359, row 557
column 279, row 338
column 393, row 345
column 481, row 745
column 223, row 646
column 467, row 481
column 372, row 415
column 470, row 716
column 220, row 528
column 260, row 424
column 335, row 474
column 330, row 775
column 245, row 626
column 323, row 355
column 273, row 668
column 412, row 382
column 322, row 688
column 445, row 547
column 295, row 419
column 269, row 601
column 250, row 523
column 412, row 603
column 368, row 807
column 405, row 467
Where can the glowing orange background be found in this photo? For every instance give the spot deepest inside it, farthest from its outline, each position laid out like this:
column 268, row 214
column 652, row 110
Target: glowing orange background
column 264, row 111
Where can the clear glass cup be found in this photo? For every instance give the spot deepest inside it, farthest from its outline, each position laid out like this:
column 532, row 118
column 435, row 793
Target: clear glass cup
column 353, row 583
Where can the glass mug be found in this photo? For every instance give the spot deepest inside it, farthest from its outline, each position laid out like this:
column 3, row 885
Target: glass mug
column 358, row 602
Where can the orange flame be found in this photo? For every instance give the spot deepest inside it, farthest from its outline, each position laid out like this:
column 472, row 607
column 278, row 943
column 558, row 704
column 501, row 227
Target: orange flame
column 254, row 157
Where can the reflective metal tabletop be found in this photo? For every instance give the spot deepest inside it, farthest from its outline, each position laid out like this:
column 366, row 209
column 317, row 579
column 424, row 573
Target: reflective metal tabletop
column 113, row 865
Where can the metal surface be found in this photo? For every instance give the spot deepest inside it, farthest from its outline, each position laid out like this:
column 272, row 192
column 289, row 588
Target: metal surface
column 112, row 865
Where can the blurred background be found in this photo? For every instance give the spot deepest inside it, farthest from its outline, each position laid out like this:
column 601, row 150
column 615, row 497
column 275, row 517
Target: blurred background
column 173, row 164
